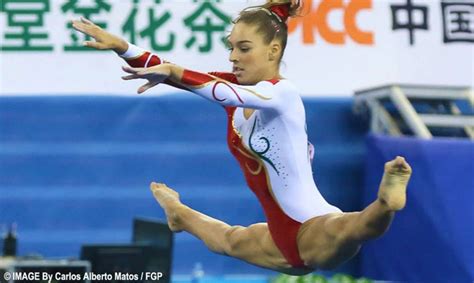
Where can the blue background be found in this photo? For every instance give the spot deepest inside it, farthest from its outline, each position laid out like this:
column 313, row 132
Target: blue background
column 76, row 170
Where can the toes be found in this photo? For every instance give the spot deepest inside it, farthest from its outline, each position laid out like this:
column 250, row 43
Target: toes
column 156, row 186
column 389, row 165
column 398, row 164
column 399, row 159
column 394, row 163
column 402, row 164
column 406, row 167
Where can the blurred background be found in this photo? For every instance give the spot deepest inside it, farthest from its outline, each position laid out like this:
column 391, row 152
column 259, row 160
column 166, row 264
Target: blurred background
column 79, row 147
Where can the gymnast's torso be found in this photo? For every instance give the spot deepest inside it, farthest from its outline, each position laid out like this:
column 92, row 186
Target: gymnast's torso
column 271, row 146
column 278, row 139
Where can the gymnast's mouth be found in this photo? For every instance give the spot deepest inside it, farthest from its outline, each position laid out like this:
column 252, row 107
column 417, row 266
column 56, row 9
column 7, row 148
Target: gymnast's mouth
column 237, row 70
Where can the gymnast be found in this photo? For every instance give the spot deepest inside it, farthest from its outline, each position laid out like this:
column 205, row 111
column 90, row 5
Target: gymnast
column 267, row 135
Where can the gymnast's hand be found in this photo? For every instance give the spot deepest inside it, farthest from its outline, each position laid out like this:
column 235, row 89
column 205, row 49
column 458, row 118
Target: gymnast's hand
column 155, row 75
column 103, row 39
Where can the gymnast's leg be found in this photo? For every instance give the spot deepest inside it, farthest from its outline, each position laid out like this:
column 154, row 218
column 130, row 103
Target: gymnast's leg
column 329, row 240
column 252, row 244
column 375, row 219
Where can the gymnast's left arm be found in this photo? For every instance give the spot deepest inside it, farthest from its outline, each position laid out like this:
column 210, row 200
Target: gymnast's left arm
column 264, row 95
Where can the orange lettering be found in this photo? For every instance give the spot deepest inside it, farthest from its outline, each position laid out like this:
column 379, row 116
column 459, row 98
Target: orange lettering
column 350, row 23
column 331, row 36
column 307, row 21
column 316, row 19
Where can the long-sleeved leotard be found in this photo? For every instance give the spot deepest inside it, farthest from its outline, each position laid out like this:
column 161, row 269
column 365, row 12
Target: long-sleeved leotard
column 271, row 147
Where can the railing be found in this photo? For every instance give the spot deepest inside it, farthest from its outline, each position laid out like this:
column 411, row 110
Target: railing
column 411, row 103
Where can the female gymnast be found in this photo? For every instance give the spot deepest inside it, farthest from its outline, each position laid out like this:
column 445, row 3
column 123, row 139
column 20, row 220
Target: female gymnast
column 266, row 134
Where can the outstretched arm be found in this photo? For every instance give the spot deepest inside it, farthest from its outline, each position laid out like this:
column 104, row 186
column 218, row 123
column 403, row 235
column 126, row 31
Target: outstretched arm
column 263, row 95
column 133, row 55
column 223, row 91
column 103, row 39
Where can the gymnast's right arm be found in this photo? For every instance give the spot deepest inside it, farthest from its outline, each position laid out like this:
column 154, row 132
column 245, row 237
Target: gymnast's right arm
column 103, row 39
column 133, row 55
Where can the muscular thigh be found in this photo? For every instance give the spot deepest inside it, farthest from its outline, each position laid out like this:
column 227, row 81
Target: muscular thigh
column 255, row 245
column 321, row 241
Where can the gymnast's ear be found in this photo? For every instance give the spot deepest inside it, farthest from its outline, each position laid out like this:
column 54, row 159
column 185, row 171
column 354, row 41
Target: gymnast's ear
column 274, row 52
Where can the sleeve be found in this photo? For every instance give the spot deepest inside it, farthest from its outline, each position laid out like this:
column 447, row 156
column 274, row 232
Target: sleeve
column 221, row 88
column 140, row 58
column 264, row 95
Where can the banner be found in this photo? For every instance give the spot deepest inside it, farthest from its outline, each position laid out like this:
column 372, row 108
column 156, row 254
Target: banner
column 334, row 48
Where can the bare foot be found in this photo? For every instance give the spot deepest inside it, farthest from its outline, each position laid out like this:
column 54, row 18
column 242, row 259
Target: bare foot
column 392, row 191
column 169, row 201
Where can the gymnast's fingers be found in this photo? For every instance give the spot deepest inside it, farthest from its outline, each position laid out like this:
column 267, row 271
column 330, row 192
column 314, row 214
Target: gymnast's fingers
column 131, row 70
column 95, row 45
column 130, row 77
column 147, row 86
column 86, row 21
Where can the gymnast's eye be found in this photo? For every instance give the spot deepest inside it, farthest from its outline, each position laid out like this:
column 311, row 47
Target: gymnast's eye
column 228, row 45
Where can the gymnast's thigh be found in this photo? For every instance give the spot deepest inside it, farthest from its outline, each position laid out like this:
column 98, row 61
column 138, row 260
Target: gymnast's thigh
column 255, row 245
column 322, row 242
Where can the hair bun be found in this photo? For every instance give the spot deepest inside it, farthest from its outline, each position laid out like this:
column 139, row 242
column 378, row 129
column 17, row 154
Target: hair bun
column 282, row 11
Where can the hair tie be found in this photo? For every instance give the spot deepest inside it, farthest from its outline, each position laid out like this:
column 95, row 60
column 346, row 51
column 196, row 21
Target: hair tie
column 282, row 11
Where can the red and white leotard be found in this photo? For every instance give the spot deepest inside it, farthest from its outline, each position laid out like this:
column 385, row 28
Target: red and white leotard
column 271, row 146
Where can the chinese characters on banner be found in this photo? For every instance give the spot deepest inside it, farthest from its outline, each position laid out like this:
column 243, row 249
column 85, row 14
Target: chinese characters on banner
column 21, row 18
column 205, row 18
column 345, row 44
column 25, row 29
column 403, row 17
column 151, row 31
column 215, row 21
column 458, row 19
column 76, row 8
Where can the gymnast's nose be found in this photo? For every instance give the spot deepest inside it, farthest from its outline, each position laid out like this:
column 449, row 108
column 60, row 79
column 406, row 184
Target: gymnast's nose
column 233, row 56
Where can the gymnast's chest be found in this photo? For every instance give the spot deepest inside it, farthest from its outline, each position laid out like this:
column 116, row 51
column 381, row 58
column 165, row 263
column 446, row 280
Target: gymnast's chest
column 240, row 123
column 253, row 130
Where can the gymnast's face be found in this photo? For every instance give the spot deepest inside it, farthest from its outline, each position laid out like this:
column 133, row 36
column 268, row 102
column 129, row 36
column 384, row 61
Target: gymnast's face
column 253, row 59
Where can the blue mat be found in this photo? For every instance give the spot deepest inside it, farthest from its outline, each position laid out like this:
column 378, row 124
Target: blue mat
column 432, row 239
